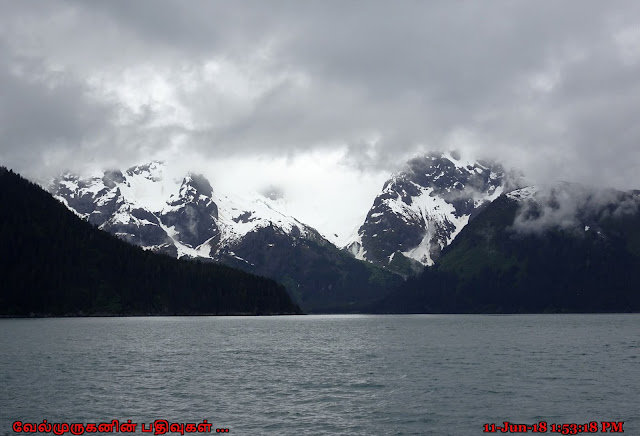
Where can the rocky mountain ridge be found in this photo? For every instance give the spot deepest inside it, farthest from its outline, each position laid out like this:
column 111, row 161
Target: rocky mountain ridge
column 422, row 208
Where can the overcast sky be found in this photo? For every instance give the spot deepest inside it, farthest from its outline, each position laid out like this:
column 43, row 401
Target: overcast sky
column 321, row 99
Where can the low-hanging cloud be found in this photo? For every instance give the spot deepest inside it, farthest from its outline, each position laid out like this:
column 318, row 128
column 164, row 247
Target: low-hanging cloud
column 572, row 207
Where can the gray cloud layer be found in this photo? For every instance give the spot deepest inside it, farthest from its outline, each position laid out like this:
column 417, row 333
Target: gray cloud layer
column 573, row 207
column 552, row 87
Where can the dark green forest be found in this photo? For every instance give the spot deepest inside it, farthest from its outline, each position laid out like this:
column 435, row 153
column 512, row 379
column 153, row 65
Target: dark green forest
column 492, row 268
column 54, row 263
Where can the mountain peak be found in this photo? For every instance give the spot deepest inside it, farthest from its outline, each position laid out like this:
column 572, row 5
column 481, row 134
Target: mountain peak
column 422, row 208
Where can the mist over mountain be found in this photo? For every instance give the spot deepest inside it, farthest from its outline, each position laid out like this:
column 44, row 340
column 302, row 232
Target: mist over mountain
column 186, row 217
column 476, row 239
column 563, row 248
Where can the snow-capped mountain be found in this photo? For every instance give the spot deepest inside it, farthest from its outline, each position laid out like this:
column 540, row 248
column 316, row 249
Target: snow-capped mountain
column 181, row 217
column 422, row 208
column 187, row 217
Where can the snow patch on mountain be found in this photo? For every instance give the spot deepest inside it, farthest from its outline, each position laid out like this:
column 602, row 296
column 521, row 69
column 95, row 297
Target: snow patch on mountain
column 526, row 193
column 354, row 246
column 148, row 187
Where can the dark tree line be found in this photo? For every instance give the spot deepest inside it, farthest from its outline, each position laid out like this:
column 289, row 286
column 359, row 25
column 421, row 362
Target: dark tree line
column 52, row 262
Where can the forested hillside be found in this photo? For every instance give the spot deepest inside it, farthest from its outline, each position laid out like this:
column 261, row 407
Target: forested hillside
column 497, row 265
column 54, row 263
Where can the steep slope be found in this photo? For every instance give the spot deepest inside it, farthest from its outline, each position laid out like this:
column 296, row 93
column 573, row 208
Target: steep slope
column 561, row 249
column 52, row 262
column 188, row 218
column 423, row 208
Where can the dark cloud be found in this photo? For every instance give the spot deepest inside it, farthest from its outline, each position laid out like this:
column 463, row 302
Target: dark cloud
column 552, row 87
column 44, row 113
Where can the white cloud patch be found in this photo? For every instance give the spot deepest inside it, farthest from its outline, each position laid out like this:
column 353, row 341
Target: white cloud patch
column 570, row 206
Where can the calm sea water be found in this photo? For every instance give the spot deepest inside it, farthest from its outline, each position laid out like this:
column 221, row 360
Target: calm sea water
column 314, row 375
